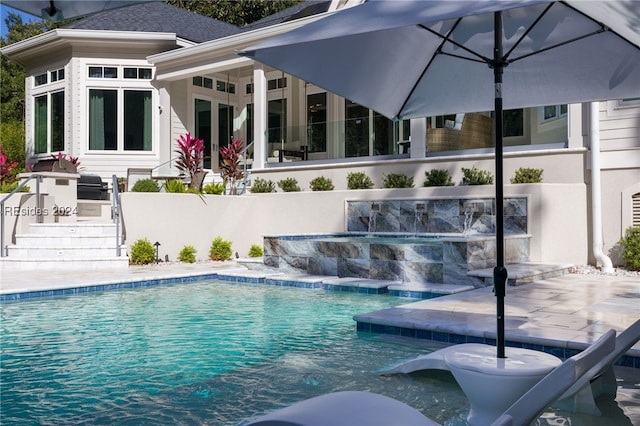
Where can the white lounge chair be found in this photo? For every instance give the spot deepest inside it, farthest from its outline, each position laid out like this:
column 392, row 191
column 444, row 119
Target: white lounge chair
column 352, row 408
column 600, row 379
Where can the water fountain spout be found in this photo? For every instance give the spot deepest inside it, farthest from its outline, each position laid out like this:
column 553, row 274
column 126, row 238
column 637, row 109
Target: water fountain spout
column 373, row 213
column 469, row 209
column 417, row 221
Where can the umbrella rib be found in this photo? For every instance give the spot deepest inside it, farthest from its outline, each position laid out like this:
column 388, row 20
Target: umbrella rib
column 526, row 33
column 599, row 31
column 446, row 38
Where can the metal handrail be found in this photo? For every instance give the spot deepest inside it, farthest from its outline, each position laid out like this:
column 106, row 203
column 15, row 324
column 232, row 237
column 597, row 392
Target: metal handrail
column 3, row 248
column 116, row 212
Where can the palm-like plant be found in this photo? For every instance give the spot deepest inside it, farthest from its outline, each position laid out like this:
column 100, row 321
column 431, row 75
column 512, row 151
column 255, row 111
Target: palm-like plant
column 230, row 169
column 190, row 154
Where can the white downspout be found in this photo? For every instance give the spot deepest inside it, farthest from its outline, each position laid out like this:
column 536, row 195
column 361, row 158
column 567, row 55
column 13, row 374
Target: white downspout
column 596, row 190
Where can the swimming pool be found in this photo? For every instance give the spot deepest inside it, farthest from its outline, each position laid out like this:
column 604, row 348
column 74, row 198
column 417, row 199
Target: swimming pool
column 213, row 353
column 202, row 353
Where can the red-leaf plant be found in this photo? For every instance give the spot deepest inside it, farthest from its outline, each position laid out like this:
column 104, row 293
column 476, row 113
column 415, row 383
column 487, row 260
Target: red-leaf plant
column 190, row 154
column 5, row 165
column 69, row 158
column 230, row 169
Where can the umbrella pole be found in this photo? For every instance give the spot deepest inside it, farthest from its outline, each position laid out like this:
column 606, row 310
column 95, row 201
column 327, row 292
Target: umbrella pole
column 499, row 272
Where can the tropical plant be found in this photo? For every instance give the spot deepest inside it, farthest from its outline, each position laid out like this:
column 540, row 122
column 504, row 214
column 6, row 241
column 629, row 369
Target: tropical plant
column 214, row 188
column 174, row 185
column 142, row 252
column 6, row 166
column 12, row 146
column 289, row 185
column 359, row 180
column 62, row 156
column 527, row 175
column 190, row 155
column 220, row 249
column 438, row 177
column 321, row 183
column 255, row 251
column 397, row 180
column 230, row 169
column 6, row 187
column 262, row 186
column 631, row 248
column 145, row 185
column 187, row 254
column 475, row 176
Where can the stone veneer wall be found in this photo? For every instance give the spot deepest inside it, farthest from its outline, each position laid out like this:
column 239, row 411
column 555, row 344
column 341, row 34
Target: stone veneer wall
column 435, row 215
column 437, row 260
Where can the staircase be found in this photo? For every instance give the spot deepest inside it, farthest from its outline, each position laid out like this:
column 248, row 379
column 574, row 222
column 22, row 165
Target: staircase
column 66, row 246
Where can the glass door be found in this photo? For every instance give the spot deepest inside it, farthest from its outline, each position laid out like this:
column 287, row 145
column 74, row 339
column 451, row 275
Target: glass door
column 202, row 127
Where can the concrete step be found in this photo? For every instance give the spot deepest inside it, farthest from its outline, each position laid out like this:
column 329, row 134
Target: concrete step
column 69, row 252
column 73, row 228
column 58, row 241
column 12, row 264
column 525, row 272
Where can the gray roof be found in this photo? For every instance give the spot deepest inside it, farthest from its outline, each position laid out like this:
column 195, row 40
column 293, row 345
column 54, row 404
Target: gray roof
column 300, row 10
column 158, row 17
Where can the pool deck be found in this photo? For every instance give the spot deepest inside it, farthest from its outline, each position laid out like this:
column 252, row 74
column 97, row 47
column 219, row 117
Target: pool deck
column 568, row 312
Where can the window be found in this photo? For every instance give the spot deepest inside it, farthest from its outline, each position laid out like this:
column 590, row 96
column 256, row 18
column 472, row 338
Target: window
column 49, row 122
column 137, row 73
column 317, row 122
column 222, row 86
column 41, row 79
column 553, row 112
column 205, row 82
column 278, row 83
column 248, row 89
column 135, row 116
column 513, row 122
column 103, row 72
column 629, row 102
column 56, row 75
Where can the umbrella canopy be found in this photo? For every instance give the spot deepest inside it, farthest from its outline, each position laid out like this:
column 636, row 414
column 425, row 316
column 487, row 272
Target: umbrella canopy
column 59, row 10
column 417, row 58
column 408, row 59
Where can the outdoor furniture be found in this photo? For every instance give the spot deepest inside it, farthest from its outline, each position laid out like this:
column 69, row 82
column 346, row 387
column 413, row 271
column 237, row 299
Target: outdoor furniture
column 468, row 131
column 365, row 408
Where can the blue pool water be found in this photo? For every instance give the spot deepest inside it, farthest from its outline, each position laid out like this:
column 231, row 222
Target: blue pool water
column 204, row 353
column 213, row 353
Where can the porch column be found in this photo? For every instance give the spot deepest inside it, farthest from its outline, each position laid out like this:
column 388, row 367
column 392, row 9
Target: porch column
column 259, row 116
column 418, row 138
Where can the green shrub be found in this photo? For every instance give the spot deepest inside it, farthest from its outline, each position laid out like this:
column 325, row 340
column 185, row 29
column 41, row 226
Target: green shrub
column 397, row 180
column 220, row 249
column 289, row 185
column 475, row 176
column 145, row 185
column 255, row 251
column 214, row 188
column 359, row 180
column 262, row 186
column 187, row 254
column 438, row 177
column 6, row 187
column 142, row 252
column 527, row 175
column 631, row 248
column 321, row 183
column 175, row 185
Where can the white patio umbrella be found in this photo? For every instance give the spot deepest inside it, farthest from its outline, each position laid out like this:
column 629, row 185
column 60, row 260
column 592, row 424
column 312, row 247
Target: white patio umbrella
column 59, row 10
column 417, row 58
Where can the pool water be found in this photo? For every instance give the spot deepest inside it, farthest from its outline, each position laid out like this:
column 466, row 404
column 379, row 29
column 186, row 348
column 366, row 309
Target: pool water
column 204, row 353
column 215, row 353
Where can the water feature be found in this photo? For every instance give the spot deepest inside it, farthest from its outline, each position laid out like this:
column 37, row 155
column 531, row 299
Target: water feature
column 417, row 223
column 201, row 353
column 373, row 214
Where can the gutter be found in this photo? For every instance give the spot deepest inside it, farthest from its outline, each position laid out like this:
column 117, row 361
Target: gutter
column 596, row 188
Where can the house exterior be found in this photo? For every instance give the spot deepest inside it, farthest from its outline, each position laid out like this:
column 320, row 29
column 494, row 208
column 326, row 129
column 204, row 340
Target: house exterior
column 118, row 88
